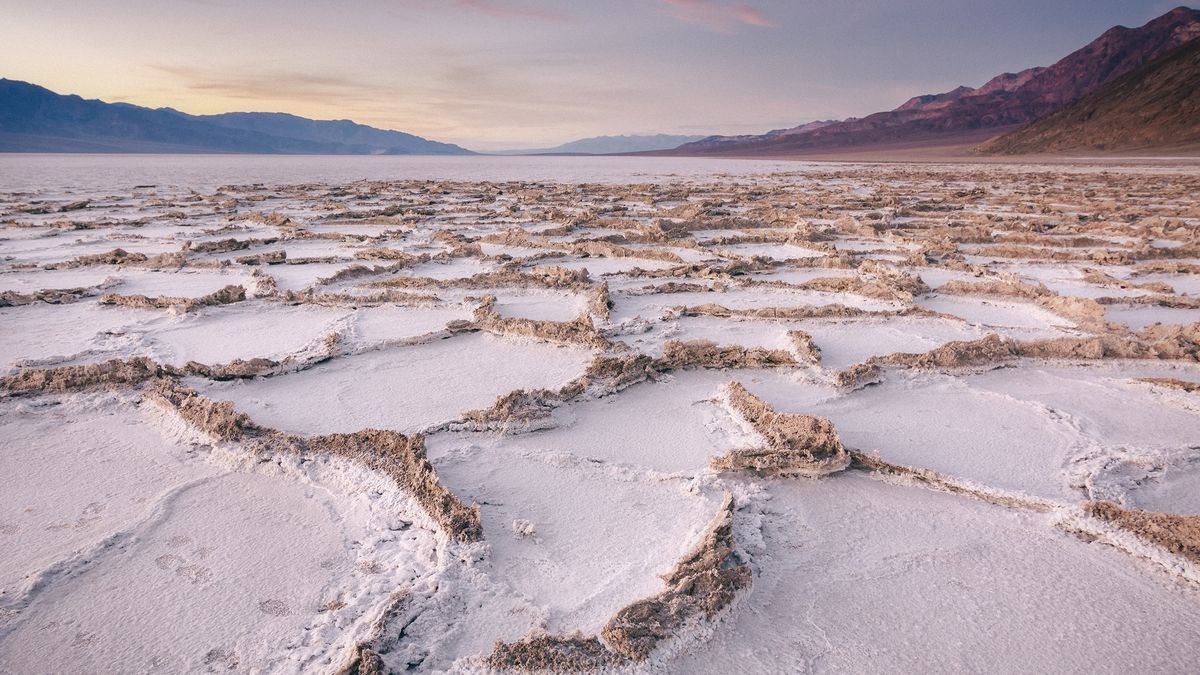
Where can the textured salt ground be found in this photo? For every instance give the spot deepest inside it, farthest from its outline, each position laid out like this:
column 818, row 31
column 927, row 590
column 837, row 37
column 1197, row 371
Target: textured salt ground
column 845, row 342
column 1022, row 318
column 935, row 277
column 29, row 281
column 687, row 255
column 1067, row 280
column 598, row 536
column 938, row 422
column 597, row 267
column 111, row 508
column 857, row 575
column 1143, row 457
column 708, row 235
column 353, row 229
column 80, row 331
column 800, row 276
column 290, row 277
column 241, row 591
column 76, row 473
column 1089, row 395
column 66, row 247
column 723, row 331
column 674, row 425
column 179, row 283
column 386, row 323
column 1138, row 317
column 772, row 251
column 515, row 252
column 544, row 305
column 455, row 268
column 248, row 330
column 1188, row 284
column 405, row 389
column 651, row 306
column 299, row 248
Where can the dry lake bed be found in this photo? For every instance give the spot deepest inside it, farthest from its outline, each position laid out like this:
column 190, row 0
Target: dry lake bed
column 496, row 415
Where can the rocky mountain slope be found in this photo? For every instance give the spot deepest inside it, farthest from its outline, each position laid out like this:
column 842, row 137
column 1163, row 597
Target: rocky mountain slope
column 1156, row 106
column 1003, row 103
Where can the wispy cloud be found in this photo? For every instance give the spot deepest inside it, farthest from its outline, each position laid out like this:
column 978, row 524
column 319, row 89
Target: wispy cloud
column 717, row 16
column 462, row 102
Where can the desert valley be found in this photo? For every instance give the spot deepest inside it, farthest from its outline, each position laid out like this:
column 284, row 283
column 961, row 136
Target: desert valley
column 711, row 408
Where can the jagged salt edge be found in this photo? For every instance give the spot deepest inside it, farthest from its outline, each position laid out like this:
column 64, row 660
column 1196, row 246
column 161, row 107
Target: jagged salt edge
column 1074, row 519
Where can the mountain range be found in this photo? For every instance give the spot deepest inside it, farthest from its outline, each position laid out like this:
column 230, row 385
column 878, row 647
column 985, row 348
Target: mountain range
column 1129, row 89
column 35, row 119
column 608, row 145
column 965, row 115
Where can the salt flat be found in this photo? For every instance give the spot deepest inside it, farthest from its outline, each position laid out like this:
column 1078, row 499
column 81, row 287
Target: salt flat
column 599, row 415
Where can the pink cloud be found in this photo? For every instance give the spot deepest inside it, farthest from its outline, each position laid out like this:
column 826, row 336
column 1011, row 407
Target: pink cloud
column 717, row 16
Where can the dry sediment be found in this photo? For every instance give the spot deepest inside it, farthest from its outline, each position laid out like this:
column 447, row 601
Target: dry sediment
column 793, row 445
column 703, row 584
column 217, row 419
column 580, row 331
column 109, row 374
column 50, row 296
column 708, row 354
column 401, row 458
column 1179, row 535
column 857, row 376
column 862, row 461
column 225, row 296
column 805, row 347
column 1171, row 383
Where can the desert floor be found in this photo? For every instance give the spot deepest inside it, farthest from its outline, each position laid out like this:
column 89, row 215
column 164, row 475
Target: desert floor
column 842, row 418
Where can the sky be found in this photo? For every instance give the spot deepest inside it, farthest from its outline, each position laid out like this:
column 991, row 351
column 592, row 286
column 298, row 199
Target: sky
column 495, row 74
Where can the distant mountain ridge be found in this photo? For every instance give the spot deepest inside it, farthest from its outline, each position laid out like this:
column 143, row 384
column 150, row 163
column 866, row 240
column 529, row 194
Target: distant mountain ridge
column 607, row 145
column 35, row 119
column 1003, row 103
column 1155, row 106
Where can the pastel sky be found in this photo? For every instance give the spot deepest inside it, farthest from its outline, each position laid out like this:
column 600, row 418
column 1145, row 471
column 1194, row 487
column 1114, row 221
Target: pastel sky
column 491, row 74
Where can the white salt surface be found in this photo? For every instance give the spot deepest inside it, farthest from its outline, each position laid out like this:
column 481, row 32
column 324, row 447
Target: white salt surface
column 938, row 422
column 406, row 389
column 290, row 277
column 862, row 573
column 1138, row 317
column 597, row 267
column 130, row 542
column 28, row 281
column 845, row 342
column 83, row 330
column 182, row 284
column 112, row 531
column 773, row 251
column 675, row 425
column 597, row 538
column 374, row 325
column 545, row 305
column 242, row 331
column 650, row 306
column 1025, row 317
